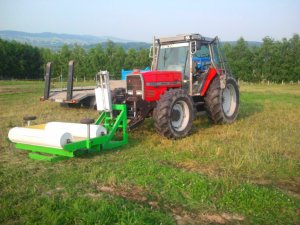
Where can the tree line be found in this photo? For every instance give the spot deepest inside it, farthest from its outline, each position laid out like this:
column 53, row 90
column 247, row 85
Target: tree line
column 113, row 58
column 272, row 60
column 22, row 61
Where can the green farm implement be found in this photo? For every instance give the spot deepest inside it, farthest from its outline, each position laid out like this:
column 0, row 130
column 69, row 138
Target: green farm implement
column 56, row 141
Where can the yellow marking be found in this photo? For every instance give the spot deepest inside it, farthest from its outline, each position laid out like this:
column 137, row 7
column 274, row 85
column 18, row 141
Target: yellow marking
column 38, row 126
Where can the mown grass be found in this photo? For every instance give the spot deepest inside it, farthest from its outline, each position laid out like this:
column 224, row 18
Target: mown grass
column 244, row 173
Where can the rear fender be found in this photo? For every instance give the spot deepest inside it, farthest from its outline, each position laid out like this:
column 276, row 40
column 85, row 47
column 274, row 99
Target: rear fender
column 210, row 76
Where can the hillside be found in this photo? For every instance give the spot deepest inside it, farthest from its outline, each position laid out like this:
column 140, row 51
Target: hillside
column 54, row 41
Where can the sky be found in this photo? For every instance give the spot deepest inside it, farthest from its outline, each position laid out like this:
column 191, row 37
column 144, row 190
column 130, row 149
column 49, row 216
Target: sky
column 140, row 20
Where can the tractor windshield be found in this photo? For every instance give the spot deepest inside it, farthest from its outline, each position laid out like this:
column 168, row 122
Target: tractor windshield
column 174, row 57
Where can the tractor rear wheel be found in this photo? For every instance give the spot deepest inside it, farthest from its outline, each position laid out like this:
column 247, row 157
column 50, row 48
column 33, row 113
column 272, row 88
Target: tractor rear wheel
column 222, row 105
column 174, row 114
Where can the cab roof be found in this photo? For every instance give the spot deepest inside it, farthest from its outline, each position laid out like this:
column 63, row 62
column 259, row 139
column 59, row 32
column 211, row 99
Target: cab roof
column 183, row 38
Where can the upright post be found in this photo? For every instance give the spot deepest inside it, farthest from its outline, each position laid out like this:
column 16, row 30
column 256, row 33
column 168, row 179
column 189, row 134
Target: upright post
column 28, row 119
column 47, row 80
column 88, row 122
column 70, row 81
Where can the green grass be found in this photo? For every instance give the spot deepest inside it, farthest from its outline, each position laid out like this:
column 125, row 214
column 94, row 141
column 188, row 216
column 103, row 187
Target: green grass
column 244, row 173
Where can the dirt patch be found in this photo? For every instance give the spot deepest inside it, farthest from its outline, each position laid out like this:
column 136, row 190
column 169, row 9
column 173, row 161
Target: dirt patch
column 13, row 90
column 192, row 166
column 184, row 218
column 58, row 189
column 93, row 196
column 129, row 192
column 291, row 187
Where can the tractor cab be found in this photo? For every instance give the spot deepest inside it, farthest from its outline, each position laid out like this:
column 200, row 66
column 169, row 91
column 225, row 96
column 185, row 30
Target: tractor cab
column 193, row 55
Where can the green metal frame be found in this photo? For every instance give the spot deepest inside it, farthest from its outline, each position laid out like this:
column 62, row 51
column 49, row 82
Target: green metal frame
column 108, row 141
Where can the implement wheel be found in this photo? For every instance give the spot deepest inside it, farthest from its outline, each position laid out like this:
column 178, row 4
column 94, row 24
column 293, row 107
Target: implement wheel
column 222, row 105
column 174, row 114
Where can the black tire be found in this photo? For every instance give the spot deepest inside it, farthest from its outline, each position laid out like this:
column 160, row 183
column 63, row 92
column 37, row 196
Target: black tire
column 89, row 103
column 72, row 105
column 170, row 113
column 222, row 105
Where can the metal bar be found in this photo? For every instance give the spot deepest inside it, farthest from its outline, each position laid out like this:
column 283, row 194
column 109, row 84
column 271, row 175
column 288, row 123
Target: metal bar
column 121, row 119
column 100, row 118
column 191, row 70
column 94, row 142
column 70, row 81
column 47, row 80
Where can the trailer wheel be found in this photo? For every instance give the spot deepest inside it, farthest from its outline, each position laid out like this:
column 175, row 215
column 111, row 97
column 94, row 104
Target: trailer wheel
column 174, row 114
column 89, row 103
column 222, row 105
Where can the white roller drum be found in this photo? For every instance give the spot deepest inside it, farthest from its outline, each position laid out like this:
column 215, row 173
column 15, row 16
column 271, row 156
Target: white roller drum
column 76, row 129
column 39, row 137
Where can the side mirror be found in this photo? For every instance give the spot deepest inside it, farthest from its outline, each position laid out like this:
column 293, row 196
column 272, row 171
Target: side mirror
column 193, row 47
column 151, row 52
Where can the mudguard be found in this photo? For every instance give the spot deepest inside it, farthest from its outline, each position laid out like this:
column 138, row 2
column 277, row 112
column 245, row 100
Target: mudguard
column 210, row 76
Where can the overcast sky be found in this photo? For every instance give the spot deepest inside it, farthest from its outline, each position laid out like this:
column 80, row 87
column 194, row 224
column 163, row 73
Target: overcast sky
column 140, row 20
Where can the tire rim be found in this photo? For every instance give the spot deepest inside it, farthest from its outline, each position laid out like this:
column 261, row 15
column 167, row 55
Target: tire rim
column 229, row 100
column 180, row 116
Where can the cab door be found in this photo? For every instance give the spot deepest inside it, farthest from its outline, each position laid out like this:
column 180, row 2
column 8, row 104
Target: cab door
column 201, row 63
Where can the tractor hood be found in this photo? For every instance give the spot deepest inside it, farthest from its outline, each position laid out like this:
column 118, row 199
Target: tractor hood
column 157, row 82
column 170, row 79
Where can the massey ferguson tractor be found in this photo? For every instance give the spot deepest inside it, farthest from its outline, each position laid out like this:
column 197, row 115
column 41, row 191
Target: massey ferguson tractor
column 188, row 75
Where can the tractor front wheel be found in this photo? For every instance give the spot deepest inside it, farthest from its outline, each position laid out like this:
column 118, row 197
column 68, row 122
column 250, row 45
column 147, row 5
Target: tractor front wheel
column 222, row 105
column 174, row 114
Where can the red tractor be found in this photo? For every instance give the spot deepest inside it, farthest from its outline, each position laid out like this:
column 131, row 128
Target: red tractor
column 188, row 74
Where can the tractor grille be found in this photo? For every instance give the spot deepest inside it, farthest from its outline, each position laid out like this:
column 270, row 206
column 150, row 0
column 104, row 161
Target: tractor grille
column 134, row 85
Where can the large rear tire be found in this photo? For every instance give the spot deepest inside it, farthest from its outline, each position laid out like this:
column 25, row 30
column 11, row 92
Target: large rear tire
column 222, row 105
column 174, row 114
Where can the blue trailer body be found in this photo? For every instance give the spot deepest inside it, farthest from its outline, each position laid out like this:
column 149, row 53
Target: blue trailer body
column 126, row 72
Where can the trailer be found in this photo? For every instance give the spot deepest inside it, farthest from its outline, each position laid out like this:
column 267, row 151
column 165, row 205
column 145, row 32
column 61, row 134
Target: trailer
column 74, row 96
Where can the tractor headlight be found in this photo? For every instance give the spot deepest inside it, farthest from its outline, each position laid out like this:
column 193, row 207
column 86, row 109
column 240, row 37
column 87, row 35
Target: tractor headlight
column 130, row 92
column 139, row 92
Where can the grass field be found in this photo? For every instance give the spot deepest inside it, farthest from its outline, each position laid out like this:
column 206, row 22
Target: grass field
column 244, row 173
